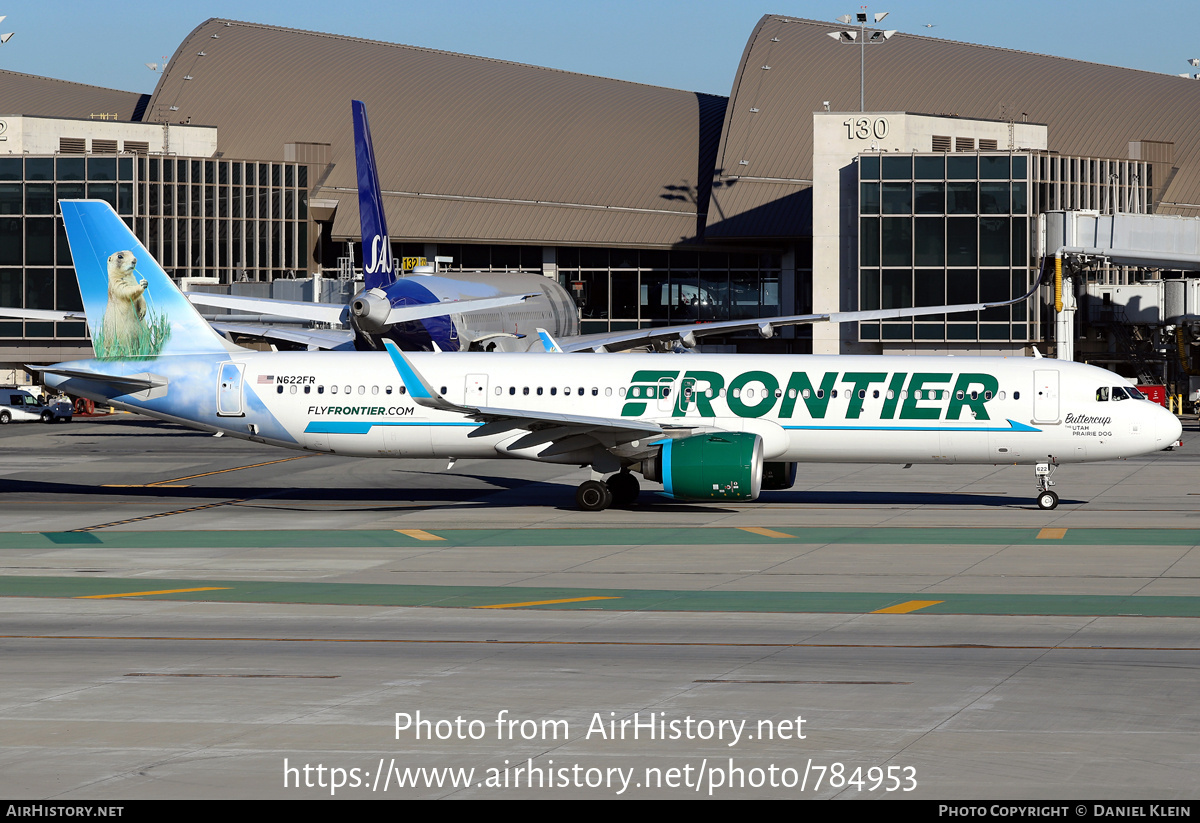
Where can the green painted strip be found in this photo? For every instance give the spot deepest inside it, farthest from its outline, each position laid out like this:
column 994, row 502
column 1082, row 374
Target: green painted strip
column 371, row 594
column 658, row 536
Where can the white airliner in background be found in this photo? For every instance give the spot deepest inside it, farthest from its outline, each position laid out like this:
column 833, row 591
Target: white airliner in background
column 707, row 427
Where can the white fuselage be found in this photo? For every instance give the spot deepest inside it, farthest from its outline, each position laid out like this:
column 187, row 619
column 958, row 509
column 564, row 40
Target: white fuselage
column 806, row 408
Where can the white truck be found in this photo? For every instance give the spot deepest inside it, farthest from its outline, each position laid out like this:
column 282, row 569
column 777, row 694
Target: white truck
column 19, row 406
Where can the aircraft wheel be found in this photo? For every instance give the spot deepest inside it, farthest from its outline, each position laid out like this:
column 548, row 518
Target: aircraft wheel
column 5, row 418
column 1047, row 500
column 593, row 496
column 624, row 488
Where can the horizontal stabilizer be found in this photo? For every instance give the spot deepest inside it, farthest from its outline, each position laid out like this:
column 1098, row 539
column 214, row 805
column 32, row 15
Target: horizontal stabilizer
column 124, row 384
column 403, row 314
column 312, row 339
column 318, row 312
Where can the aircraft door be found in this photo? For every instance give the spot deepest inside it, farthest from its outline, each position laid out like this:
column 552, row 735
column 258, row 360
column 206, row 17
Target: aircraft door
column 1045, row 396
column 666, row 395
column 229, row 390
column 475, row 390
column 555, row 313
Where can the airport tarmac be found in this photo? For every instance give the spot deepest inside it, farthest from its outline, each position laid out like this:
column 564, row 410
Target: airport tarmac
column 183, row 616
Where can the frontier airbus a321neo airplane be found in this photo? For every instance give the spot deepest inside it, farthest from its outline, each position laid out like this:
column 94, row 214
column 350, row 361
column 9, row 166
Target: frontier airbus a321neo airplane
column 705, row 426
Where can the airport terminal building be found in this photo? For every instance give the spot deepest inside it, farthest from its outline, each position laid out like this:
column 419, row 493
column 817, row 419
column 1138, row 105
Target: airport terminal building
column 651, row 205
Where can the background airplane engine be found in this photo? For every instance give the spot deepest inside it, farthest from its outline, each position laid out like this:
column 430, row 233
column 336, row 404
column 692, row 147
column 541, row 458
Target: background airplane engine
column 725, row 466
column 370, row 310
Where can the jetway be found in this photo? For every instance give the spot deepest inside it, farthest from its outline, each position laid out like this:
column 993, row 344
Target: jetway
column 1161, row 241
column 1147, row 321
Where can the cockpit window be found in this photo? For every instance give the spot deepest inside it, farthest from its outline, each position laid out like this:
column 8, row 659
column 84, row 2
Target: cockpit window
column 1118, row 393
column 1102, row 393
column 1134, row 393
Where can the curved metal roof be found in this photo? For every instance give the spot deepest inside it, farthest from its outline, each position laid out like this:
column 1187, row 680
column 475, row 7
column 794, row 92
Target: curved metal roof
column 47, row 97
column 476, row 149
column 790, row 67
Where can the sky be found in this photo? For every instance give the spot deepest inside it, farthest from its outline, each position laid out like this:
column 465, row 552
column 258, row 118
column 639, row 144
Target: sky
column 694, row 45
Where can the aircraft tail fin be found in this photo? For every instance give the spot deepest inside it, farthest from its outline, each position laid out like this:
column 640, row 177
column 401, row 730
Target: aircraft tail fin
column 378, row 269
column 134, row 310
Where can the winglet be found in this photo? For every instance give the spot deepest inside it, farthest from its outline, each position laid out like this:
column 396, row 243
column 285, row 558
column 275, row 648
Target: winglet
column 548, row 342
column 418, row 388
column 378, row 270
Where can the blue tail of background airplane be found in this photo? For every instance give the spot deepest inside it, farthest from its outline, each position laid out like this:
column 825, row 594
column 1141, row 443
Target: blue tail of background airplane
column 134, row 311
column 378, row 271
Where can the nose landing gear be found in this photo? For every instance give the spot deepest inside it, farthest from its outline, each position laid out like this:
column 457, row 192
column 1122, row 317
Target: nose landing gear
column 1046, row 499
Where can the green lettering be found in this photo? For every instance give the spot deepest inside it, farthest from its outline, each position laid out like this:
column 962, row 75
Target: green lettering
column 910, row 410
column 893, row 396
column 985, row 382
column 860, row 380
column 816, row 401
column 735, row 401
column 646, row 381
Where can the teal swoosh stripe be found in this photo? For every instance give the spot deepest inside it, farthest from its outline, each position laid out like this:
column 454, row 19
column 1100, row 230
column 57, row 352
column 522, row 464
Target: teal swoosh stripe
column 364, row 426
column 1013, row 426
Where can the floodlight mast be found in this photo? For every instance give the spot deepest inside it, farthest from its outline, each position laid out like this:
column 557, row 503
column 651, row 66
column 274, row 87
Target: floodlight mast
column 860, row 36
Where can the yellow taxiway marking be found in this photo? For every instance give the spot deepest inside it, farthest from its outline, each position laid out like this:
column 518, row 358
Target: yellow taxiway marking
column 764, row 532
column 143, row 594
column 1052, row 534
column 544, row 602
column 910, row 606
column 173, row 480
column 419, row 534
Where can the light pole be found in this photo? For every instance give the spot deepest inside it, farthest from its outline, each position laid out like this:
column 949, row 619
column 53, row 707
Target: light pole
column 851, row 37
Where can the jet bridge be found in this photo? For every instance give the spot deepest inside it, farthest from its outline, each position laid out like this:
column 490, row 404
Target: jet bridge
column 1145, row 240
column 1160, row 241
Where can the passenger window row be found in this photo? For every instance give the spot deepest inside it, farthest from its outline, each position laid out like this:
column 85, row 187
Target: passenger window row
column 362, row 390
column 1102, row 393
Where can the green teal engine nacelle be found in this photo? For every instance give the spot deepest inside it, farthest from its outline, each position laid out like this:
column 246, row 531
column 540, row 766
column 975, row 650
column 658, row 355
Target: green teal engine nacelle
column 725, row 466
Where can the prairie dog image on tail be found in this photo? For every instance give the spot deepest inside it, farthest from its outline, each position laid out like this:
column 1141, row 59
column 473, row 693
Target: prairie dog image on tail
column 126, row 310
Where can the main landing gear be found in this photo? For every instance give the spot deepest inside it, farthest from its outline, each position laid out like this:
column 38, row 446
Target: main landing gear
column 619, row 490
column 1046, row 499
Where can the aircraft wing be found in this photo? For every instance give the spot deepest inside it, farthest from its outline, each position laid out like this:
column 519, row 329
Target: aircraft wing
column 335, row 313
column 323, row 339
column 42, row 314
column 665, row 336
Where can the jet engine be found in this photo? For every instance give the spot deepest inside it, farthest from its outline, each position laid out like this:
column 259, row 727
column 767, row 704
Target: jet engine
column 371, row 310
column 721, row 466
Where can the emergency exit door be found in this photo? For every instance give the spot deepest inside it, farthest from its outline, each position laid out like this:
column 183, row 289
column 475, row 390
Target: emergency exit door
column 1045, row 396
